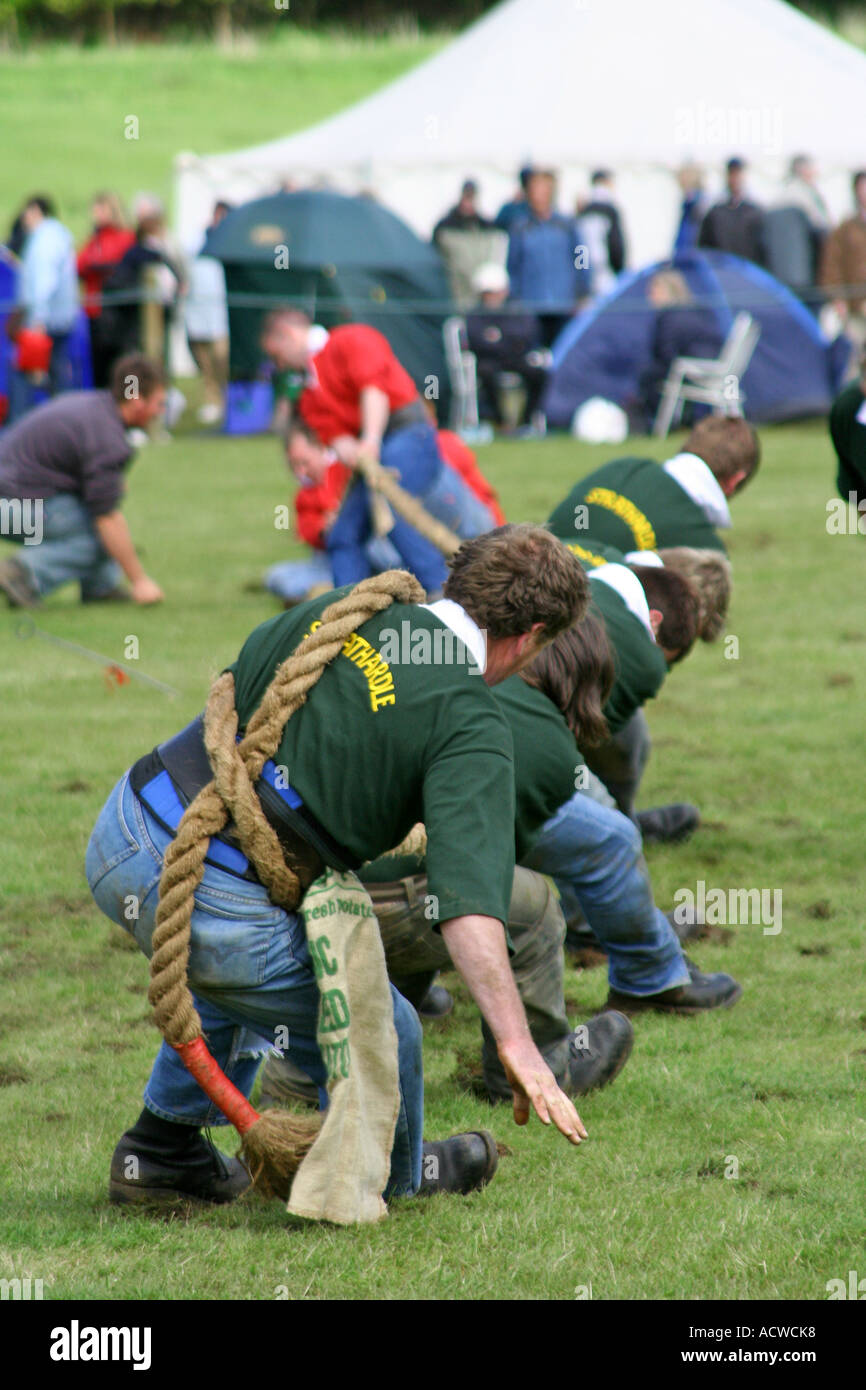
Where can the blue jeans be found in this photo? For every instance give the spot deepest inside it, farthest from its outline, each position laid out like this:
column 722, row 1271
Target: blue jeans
column 594, row 855
column 414, row 453
column 70, row 550
column 293, row 579
column 620, row 761
column 250, row 975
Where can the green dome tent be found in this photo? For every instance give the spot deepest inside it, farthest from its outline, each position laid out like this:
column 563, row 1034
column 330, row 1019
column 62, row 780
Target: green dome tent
column 341, row 259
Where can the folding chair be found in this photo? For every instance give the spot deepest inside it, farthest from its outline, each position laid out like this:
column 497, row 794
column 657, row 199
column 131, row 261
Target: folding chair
column 706, row 379
column 462, row 375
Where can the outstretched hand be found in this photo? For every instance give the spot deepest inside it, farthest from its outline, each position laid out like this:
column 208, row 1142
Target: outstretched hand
column 534, row 1085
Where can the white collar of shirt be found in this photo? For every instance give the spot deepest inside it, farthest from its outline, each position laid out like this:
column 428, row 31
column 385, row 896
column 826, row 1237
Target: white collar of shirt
column 629, row 588
column 695, row 478
column 650, row 558
column 316, row 339
column 463, row 627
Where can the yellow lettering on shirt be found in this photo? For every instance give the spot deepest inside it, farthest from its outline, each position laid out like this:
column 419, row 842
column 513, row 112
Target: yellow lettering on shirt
column 380, row 682
column 639, row 525
column 588, row 555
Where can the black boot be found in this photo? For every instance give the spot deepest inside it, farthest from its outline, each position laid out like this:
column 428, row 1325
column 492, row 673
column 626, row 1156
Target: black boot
column 459, row 1164
column 687, row 924
column 667, row 825
column 703, row 992
column 158, row 1163
column 598, row 1051
column 429, row 999
column 585, row 1060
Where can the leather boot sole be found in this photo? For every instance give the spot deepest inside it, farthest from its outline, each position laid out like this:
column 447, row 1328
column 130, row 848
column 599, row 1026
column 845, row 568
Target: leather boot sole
column 130, row 1194
column 633, row 1004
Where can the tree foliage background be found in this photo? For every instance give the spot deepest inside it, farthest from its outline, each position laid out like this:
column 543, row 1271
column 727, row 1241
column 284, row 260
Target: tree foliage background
column 94, row 20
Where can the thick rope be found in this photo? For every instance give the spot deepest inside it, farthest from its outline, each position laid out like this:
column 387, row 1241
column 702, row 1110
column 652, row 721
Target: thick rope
column 231, row 794
column 408, row 507
column 414, row 843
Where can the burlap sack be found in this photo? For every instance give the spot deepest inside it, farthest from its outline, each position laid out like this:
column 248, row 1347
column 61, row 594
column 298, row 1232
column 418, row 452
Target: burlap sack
column 343, row 1176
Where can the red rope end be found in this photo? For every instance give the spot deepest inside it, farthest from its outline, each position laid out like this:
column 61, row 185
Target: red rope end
column 215, row 1084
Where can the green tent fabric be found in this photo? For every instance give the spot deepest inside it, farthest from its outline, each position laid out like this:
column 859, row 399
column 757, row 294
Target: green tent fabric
column 341, row 259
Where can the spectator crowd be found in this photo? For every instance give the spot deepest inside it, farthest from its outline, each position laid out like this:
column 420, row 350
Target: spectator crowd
column 517, row 276
column 521, row 275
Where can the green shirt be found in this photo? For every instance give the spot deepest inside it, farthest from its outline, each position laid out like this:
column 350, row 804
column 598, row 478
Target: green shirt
column 633, row 504
column 640, row 663
column 288, row 385
column 546, row 758
column 381, row 744
column 848, row 433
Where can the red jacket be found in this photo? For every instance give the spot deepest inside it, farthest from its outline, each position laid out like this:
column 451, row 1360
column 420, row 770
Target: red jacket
column 354, row 356
column 312, row 504
column 97, row 258
column 460, row 457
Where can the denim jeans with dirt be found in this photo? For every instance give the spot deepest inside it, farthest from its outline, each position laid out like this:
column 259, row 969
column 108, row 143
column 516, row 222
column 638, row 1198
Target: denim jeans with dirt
column 250, row 975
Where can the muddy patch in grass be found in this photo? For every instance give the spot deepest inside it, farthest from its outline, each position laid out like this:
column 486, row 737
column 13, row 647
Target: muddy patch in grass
column 13, row 1076
column 819, row 911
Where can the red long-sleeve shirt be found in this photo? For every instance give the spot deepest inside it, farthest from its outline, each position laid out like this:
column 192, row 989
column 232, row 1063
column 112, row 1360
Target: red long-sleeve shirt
column 354, row 356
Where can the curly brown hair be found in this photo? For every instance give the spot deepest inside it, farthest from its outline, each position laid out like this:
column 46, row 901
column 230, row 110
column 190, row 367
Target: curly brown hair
column 515, row 576
column 576, row 671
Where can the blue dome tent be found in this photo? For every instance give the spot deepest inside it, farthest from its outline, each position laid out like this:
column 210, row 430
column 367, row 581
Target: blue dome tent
column 795, row 371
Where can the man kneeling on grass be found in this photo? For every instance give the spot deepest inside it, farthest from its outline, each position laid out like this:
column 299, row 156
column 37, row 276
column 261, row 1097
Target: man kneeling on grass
column 64, row 463
column 365, row 765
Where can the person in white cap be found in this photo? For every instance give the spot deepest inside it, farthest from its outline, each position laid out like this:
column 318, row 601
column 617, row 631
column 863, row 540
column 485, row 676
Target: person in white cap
column 505, row 337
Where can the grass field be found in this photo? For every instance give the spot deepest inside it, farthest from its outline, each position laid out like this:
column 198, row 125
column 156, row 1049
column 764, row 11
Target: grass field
column 71, row 105
column 767, row 745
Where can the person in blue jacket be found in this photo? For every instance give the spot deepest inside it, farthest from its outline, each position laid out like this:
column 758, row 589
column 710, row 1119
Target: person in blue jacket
column 544, row 262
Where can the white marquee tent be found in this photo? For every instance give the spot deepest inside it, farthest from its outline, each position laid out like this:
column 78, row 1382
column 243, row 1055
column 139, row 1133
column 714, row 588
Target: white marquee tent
column 641, row 86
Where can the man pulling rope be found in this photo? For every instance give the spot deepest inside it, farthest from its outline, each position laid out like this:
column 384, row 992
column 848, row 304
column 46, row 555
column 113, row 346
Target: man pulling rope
column 373, row 746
